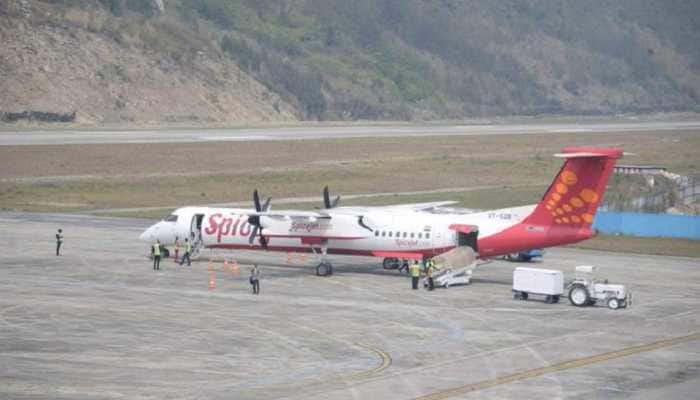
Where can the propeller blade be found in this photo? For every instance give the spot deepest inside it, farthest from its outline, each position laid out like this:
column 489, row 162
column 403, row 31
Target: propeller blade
column 256, row 200
column 266, row 206
column 326, row 198
column 253, row 233
column 335, row 202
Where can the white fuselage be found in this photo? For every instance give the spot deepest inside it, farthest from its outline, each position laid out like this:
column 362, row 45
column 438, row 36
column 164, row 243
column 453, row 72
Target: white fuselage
column 385, row 230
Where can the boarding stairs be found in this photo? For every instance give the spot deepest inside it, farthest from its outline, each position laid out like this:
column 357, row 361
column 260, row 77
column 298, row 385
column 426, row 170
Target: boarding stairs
column 454, row 267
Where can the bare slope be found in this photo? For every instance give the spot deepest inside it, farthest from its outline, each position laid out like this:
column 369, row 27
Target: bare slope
column 252, row 61
column 78, row 60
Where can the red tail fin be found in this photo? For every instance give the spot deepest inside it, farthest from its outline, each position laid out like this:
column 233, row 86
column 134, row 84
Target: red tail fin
column 573, row 197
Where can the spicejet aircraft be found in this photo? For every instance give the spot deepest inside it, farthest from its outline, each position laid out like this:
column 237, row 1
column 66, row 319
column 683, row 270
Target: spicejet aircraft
column 408, row 231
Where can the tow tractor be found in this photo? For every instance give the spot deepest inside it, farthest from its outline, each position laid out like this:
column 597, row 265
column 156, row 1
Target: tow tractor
column 587, row 290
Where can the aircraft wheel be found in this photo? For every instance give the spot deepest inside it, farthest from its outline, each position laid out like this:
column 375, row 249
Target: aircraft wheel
column 578, row 295
column 323, row 269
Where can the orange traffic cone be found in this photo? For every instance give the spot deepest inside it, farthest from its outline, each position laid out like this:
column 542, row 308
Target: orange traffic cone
column 212, row 282
column 210, row 268
column 289, row 258
column 234, row 267
column 302, row 258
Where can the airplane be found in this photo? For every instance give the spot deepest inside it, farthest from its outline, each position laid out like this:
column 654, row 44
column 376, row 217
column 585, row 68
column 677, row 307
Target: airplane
column 405, row 231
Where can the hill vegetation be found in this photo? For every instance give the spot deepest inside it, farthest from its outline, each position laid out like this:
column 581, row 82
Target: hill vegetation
column 403, row 59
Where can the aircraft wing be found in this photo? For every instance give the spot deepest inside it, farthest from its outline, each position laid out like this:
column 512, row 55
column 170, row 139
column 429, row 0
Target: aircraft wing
column 420, row 206
column 289, row 214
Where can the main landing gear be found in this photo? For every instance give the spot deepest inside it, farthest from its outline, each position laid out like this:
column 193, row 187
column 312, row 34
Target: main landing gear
column 324, row 268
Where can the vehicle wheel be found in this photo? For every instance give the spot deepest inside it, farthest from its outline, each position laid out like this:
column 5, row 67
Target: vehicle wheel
column 516, row 296
column 555, row 299
column 623, row 304
column 523, row 295
column 578, row 295
column 548, row 299
column 613, row 303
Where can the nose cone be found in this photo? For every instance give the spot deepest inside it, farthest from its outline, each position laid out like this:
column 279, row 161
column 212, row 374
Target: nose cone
column 148, row 235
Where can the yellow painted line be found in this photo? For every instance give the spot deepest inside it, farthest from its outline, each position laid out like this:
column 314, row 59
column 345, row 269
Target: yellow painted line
column 577, row 363
column 386, row 362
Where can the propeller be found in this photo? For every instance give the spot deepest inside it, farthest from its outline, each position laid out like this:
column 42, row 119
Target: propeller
column 255, row 220
column 327, row 199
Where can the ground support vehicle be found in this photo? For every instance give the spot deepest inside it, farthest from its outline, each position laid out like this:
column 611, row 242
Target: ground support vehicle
column 525, row 256
column 543, row 282
column 587, row 290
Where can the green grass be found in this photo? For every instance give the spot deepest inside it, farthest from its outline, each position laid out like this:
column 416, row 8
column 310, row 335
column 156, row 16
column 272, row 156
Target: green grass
column 638, row 245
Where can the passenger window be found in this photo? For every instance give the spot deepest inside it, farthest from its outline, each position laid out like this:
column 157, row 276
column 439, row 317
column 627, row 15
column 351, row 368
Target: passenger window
column 404, row 234
column 390, row 233
column 420, row 236
column 383, row 233
column 171, row 218
column 412, row 234
column 376, row 233
column 427, row 236
column 398, row 234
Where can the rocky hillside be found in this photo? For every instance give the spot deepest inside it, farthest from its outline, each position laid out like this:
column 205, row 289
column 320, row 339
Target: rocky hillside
column 250, row 61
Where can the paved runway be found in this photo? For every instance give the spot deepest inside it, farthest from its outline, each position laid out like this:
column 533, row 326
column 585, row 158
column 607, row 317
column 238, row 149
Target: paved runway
column 99, row 323
column 36, row 137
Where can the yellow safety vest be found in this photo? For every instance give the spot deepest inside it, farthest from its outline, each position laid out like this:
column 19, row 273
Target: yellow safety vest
column 415, row 270
column 188, row 247
column 156, row 249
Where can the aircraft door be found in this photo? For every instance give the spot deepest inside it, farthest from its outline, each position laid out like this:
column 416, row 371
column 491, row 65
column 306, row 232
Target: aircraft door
column 196, row 229
column 468, row 239
column 467, row 235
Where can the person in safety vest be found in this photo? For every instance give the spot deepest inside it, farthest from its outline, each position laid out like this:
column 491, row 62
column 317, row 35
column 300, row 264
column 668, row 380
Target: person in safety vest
column 429, row 267
column 155, row 250
column 415, row 274
column 188, row 251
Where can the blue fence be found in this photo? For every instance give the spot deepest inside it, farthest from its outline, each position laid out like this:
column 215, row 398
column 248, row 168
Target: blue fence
column 647, row 225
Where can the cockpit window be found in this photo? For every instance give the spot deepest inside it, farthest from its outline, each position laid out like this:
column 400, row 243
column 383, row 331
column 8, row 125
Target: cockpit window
column 171, row 218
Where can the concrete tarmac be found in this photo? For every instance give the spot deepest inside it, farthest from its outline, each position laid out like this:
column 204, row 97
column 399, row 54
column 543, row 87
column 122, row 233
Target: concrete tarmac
column 99, row 323
column 96, row 136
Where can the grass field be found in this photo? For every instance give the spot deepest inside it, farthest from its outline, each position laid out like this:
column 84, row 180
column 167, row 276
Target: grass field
column 638, row 245
column 151, row 179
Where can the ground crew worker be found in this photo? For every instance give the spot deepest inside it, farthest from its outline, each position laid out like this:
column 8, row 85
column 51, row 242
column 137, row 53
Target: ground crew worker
column 155, row 250
column 188, row 251
column 59, row 241
column 415, row 274
column 255, row 279
column 177, row 249
column 429, row 273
